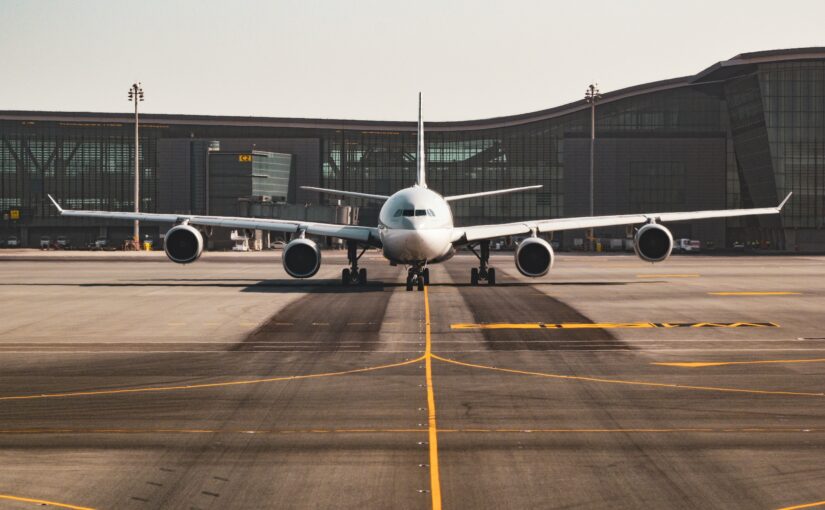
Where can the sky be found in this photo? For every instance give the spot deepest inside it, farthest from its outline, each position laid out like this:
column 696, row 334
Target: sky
column 368, row 59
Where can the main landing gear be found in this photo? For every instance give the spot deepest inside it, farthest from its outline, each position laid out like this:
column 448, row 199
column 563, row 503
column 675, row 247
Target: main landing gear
column 482, row 272
column 353, row 275
column 418, row 276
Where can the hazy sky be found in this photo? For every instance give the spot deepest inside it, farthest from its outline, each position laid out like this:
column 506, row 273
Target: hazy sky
column 368, row 59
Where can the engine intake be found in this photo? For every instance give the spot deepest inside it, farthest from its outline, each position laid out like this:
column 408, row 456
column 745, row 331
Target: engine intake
column 183, row 244
column 302, row 258
column 534, row 257
column 653, row 243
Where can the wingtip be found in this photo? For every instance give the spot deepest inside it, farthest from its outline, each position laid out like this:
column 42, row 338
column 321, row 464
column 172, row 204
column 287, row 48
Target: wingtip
column 785, row 201
column 59, row 209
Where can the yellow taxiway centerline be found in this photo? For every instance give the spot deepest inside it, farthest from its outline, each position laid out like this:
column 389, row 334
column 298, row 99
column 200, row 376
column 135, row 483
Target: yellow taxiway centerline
column 209, row 385
column 633, row 383
column 806, row 505
column 435, row 482
column 698, row 364
column 42, row 502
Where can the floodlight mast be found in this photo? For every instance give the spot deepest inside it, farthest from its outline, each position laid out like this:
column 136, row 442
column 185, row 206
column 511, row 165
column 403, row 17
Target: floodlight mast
column 136, row 95
column 592, row 96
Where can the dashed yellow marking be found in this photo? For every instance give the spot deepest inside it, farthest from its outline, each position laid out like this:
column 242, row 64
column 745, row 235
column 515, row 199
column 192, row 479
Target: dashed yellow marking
column 632, row 383
column 767, row 293
column 42, row 502
column 151, row 389
column 806, row 505
column 698, row 364
column 668, row 276
column 614, row 325
column 435, row 482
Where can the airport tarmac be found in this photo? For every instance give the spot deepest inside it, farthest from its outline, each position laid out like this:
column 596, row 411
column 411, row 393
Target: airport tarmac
column 129, row 382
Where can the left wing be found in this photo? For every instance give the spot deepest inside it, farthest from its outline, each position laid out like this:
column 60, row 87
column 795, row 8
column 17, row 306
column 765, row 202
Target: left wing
column 352, row 232
column 479, row 232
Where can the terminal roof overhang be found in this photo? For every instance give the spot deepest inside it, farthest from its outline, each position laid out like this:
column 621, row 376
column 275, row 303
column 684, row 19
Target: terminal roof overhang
column 741, row 64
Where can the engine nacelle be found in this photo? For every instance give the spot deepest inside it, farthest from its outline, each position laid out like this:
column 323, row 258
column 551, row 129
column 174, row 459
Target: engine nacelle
column 653, row 243
column 183, row 244
column 301, row 258
column 534, row 257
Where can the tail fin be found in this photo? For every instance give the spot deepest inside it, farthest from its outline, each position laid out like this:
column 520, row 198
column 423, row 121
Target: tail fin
column 421, row 173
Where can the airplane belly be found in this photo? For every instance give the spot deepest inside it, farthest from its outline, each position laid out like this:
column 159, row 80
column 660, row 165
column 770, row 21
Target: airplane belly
column 410, row 246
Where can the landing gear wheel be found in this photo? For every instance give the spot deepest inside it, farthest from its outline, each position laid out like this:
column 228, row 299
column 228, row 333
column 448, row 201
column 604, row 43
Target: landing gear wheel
column 420, row 282
column 345, row 277
column 409, row 281
column 474, row 276
column 426, row 274
column 491, row 276
column 362, row 276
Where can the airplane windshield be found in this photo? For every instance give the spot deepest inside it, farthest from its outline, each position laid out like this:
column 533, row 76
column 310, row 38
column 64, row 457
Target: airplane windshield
column 409, row 212
column 420, row 212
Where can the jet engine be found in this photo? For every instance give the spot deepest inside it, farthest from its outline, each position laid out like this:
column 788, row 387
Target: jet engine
column 653, row 243
column 183, row 244
column 534, row 257
column 301, row 258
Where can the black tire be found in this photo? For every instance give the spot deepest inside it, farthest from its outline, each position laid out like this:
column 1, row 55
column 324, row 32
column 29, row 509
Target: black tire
column 345, row 277
column 474, row 276
column 426, row 275
column 420, row 282
column 409, row 283
column 362, row 276
column 491, row 276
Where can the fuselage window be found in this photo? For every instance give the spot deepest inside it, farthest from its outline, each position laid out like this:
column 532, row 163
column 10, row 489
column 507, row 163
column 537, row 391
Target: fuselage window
column 398, row 213
column 409, row 212
column 420, row 212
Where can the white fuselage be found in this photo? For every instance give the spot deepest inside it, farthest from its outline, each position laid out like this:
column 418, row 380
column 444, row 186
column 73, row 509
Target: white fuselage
column 416, row 227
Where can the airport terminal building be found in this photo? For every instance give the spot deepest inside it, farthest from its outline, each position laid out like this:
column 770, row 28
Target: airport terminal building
column 742, row 133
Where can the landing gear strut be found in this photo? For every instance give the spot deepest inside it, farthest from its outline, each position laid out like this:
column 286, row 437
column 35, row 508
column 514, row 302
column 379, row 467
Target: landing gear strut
column 418, row 276
column 353, row 275
column 482, row 272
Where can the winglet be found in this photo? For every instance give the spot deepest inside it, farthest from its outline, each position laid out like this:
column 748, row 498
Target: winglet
column 779, row 208
column 59, row 209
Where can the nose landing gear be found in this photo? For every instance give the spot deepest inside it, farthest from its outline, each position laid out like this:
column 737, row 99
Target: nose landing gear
column 482, row 272
column 418, row 277
column 353, row 275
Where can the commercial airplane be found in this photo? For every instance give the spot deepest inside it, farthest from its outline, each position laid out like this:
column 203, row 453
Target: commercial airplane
column 415, row 229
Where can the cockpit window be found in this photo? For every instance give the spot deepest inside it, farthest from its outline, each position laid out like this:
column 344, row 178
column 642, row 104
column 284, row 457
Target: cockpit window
column 430, row 212
column 409, row 212
column 398, row 213
column 420, row 212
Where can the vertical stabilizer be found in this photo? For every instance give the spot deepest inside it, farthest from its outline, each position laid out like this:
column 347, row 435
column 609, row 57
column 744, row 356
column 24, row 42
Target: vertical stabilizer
column 421, row 174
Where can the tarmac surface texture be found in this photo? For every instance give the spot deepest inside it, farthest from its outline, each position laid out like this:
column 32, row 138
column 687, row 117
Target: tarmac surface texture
column 129, row 382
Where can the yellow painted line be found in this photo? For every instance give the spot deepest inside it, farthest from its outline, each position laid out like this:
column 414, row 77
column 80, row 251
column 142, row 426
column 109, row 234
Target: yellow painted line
column 807, row 505
column 632, row 383
column 668, row 276
column 209, row 385
column 435, row 482
column 770, row 293
column 614, row 325
column 41, row 502
column 698, row 364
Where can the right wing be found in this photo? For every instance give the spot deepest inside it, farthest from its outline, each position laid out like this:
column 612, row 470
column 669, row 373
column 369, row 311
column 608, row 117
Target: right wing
column 352, row 232
column 346, row 193
column 479, row 232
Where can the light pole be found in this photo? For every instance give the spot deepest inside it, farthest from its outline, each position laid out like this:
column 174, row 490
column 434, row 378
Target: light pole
column 136, row 95
column 592, row 96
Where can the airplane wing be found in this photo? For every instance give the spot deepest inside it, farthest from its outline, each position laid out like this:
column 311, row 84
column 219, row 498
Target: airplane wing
column 346, row 193
column 488, row 193
column 463, row 235
column 351, row 232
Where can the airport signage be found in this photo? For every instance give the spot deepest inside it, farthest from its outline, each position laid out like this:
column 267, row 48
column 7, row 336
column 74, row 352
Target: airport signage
column 14, row 214
column 245, row 158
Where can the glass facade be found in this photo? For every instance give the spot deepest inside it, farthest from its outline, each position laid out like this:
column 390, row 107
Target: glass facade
column 741, row 133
